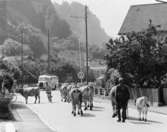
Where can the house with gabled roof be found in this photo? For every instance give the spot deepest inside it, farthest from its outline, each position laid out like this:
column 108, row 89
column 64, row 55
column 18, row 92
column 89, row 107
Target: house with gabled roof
column 139, row 16
column 138, row 19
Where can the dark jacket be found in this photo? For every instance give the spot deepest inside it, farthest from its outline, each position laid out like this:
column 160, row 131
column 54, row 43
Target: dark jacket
column 122, row 94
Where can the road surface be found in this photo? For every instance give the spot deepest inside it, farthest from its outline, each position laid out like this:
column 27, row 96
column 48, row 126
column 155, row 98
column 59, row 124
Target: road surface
column 57, row 115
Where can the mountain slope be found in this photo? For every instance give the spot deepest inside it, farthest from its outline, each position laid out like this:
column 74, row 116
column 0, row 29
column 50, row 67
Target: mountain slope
column 35, row 17
column 96, row 33
column 39, row 15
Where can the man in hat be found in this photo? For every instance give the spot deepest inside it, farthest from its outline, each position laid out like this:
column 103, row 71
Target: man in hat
column 122, row 97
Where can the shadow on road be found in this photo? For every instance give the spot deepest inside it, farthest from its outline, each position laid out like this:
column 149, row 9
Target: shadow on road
column 54, row 102
column 98, row 108
column 18, row 106
column 135, row 120
column 88, row 115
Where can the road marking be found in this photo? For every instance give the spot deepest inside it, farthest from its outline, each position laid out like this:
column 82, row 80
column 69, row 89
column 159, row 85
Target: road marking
column 42, row 119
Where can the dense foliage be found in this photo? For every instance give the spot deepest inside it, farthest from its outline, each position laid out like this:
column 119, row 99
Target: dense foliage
column 139, row 57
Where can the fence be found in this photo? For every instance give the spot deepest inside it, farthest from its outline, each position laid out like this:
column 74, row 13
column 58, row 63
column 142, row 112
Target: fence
column 165, row 95
column 151, row 93
column 100, row 91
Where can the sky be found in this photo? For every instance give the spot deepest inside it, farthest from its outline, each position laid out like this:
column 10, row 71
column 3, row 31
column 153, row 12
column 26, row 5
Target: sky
column 111, row 13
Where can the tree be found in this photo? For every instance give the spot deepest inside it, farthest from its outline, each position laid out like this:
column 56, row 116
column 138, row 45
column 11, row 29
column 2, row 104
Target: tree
column 140, row 58
column 36, row 44
column 30, row 71
column 65, row 71
column 12, row 65
column 11, row 47
column 97, row 52
column 10, row 70
column 32, row 37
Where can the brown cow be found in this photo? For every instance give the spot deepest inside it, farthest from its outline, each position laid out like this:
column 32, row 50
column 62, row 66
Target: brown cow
column 30, row 91
column 76, row 101
column 87, row 96
column 64, row 92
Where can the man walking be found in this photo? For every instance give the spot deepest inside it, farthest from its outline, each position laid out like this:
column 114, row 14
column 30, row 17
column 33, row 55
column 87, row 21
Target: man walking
column 122, row 97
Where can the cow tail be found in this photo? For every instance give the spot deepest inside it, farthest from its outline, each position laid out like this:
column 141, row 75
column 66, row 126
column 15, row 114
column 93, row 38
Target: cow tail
column 80, row 96
column 135, row 101
column 147, row 105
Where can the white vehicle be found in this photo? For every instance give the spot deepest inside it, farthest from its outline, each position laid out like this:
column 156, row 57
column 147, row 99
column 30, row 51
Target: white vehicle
column 52, row 81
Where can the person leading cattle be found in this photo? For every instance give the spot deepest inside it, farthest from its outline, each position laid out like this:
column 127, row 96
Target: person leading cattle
column 122, row 97
column 112, row 95
column 49, row 92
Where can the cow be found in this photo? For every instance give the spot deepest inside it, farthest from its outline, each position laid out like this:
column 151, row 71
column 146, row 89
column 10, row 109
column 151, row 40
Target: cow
column 29, row 91
column 87, row 96
column 112, row 96
column 76, row 101
column 122, row 97
column 64, row 92
column 142, row 105
column 69, row 88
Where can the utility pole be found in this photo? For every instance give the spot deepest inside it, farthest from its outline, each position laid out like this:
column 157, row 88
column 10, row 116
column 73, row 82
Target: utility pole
column 86, row 37
column 48, row 51
column 80, row 56
column 80, row 59
column 22, row 41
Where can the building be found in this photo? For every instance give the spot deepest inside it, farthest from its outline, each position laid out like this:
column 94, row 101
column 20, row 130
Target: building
column 138, row 19
column 139, row 16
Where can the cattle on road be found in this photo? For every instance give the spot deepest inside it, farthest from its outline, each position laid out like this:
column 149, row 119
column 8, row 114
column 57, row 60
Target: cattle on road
column 112, row 95
column 30, row 91
column 142, row 105
column 87, row 96
column 64, row 92
column 76, row 101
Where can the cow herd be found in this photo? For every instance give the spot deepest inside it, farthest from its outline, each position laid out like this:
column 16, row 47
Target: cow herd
column 79, row 95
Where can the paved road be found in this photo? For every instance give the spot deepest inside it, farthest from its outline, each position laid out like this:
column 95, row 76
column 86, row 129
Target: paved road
column 58, row 116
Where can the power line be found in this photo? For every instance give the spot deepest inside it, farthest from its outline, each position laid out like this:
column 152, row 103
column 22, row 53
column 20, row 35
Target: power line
column 22, row 41
column 86, row 31
column 86, row 37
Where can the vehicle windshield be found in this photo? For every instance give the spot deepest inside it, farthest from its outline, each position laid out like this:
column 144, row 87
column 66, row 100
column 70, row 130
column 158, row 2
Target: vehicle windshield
column 44, row 78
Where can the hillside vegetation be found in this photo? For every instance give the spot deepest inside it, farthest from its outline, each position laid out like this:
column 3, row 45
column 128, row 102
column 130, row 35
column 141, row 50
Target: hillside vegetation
column 27, row 22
